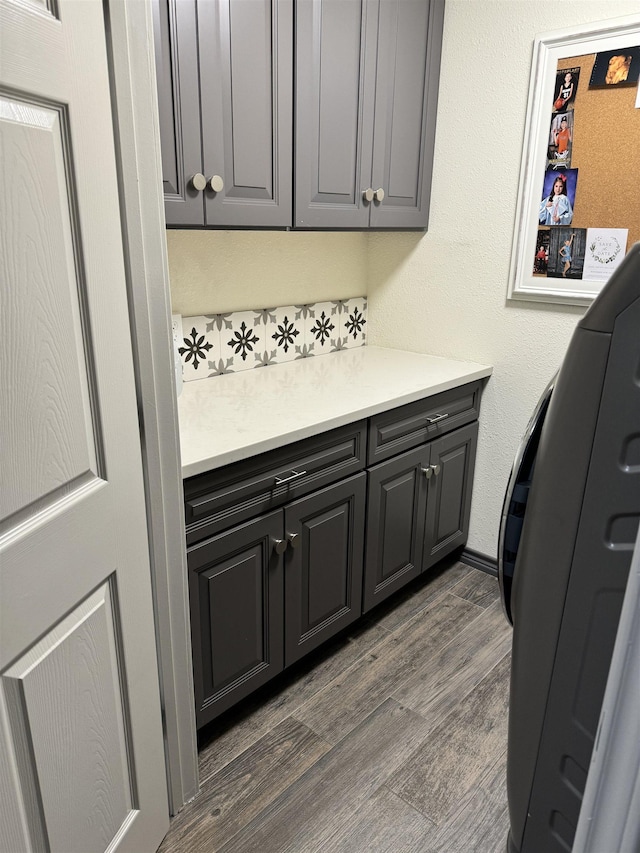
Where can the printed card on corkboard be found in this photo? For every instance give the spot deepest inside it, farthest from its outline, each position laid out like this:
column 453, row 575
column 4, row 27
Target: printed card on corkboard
column 606, row 248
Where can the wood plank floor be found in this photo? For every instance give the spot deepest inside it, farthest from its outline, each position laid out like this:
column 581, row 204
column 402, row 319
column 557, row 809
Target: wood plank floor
column 390, row 739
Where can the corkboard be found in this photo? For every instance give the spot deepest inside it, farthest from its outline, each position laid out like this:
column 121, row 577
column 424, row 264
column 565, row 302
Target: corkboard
column 606, row 151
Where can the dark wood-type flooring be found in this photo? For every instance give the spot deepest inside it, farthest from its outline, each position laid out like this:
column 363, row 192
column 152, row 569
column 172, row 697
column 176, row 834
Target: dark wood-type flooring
column 390, row 739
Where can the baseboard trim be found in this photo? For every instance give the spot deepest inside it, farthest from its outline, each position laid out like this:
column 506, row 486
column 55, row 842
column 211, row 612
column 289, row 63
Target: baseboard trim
column 479, row 561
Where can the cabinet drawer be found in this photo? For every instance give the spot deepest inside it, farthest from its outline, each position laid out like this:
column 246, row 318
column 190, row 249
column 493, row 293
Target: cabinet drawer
column 408, row 426
column 227, row 496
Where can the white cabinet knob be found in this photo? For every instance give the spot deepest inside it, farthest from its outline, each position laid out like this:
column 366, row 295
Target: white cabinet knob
column 216, row 183
column 198, row 181
column 379, row 194
column 367, row 194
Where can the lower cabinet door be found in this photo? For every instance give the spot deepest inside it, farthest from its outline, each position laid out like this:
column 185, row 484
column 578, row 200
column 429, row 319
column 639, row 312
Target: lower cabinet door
column 235, row 591
column 449, row 500
column 395, row 524
column 323, row 564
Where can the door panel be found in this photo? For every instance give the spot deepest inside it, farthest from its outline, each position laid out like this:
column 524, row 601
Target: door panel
column 235, row 589
column 335, row 73
column 175, row 35
column 48, row 427
column 323, row 572
column 64, row 697
column 80, row 717
column 246, row 90
column 449, row 499
column 395, row 524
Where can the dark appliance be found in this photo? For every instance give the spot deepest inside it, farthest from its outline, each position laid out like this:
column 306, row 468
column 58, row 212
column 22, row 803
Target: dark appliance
column 569, row 525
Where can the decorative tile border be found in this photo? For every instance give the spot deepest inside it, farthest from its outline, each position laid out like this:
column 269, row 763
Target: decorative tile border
column 214, row 344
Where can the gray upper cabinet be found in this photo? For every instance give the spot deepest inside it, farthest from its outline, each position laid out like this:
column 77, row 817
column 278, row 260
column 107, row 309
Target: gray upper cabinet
column 246, row 68
column 366, row 96
column 335, row 64
column 175, row 33
column 366, row 88
column 225, row 81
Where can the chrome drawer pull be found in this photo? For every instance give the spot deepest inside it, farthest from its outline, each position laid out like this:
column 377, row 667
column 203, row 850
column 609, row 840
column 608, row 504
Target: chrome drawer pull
column 436, row 418
column 280, row 481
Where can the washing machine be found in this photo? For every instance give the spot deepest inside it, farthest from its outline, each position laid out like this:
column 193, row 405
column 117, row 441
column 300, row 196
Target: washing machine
column 567, row 534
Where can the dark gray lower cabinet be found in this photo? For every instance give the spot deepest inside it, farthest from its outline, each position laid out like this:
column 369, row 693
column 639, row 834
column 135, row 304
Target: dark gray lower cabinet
column 286, row 549
column 452, row 460
column 235, row 591
column 395, row 526
column 418, row 511
column 323, row 571
column 268, row 591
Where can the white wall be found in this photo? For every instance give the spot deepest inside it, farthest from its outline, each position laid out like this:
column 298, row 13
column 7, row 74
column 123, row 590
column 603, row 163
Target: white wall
column 216, row 271
column 445, row 292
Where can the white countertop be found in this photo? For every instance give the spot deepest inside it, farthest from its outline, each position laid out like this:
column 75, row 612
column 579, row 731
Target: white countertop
column 227, row 418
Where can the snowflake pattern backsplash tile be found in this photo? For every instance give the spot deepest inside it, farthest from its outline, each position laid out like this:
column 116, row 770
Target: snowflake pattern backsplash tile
column 214, row 344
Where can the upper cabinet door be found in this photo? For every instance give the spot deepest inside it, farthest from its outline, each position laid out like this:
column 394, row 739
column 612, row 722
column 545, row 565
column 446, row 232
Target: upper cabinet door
column 246, row 84
column 408, row 68
column 335, row 79
column 176, row 53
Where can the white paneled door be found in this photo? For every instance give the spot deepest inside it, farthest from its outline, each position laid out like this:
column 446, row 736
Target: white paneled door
column 81, row 749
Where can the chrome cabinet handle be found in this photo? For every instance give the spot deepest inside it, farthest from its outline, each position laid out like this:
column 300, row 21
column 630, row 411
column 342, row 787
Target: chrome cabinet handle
column 379, row 194
column 280, row 481
column 279, row 545
column 293, row 539
column 368, row 194
column 198, row 181
column 436, row 418
column 435, row 469
column 216, row 183
column 427, row 472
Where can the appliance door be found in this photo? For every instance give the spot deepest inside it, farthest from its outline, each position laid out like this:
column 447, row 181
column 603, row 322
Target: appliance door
column 515, row 500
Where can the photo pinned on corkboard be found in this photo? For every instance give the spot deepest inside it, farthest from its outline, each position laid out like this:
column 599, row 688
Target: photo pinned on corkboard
column 565, row 91
column 615, row 69
column 566, row 252
column 541, row 259
column 560, row 140
column 558, row 197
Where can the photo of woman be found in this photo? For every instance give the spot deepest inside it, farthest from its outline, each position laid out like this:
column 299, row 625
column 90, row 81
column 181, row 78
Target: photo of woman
column 565, row 255
column 556, row 207
column 567, row 248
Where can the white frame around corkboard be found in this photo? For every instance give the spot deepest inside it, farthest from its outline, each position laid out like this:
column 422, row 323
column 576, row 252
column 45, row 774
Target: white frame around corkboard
column 548, row 49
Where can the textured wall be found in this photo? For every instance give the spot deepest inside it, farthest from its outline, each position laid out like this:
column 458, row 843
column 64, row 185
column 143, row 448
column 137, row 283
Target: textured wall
column 216, row 271
column 445, row 292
